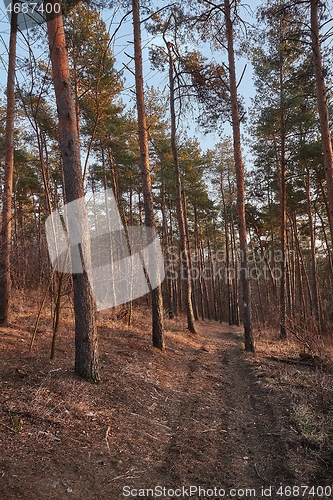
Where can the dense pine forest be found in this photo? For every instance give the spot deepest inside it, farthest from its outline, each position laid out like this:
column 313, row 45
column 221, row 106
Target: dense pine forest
column 210, row 122
column 243, row 240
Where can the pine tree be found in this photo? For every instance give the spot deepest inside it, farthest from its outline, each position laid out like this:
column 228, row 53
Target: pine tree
column 156, row 293
column 6, row 219
column 86, row 350
column 244, row 272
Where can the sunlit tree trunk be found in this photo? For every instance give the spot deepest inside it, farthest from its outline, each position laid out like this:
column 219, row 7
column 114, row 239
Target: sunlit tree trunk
column 86, row 351
column 187, row 239
column 185, row 263
column 227, row 254
column 322, row 108
column 168, row 282
column 156, row 294
column 244, row 274
column 235, row 280
column 6, row 225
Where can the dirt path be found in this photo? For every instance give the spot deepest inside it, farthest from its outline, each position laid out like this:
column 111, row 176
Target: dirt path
column 194, row 416
column 231, row 437
column 224, row 432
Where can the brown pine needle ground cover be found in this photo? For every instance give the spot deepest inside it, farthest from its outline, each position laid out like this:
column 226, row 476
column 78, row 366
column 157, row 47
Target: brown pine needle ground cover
column 203, row 413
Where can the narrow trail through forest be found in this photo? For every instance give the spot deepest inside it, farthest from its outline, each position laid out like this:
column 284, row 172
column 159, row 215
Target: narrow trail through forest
column 196, row 415
column 224, row 430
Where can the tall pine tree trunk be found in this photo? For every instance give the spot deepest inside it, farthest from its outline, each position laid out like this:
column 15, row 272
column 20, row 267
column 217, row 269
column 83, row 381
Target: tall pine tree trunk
column 157, row 302
column 86, row 351
column 244, row 271
column 5, row 241
column 283, row 225
column 168, row 281
column 322, row 108
column 314, row 272
column 184, row 259
column 235, row 281
column 228, row 279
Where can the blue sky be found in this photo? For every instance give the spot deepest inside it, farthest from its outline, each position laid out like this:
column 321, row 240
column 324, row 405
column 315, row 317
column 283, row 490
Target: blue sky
column 123, row 45
column 246, row 89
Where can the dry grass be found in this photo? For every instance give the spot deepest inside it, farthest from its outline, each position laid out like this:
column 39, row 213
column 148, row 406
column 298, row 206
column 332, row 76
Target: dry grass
column 306, row 383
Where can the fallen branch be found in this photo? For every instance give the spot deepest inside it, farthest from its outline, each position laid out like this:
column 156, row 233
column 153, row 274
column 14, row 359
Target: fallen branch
column 106, row 438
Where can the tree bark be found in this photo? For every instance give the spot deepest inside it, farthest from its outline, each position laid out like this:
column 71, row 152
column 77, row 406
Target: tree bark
column 322, row 108
column 314, row 271
column 244, row 271
column 190, row 266
column 168, row 281
column 156, row 293
column 235, row 280
column 184, row 258
column 5, row 242
column 283, row 220
column 86, row 350
column 228, row 279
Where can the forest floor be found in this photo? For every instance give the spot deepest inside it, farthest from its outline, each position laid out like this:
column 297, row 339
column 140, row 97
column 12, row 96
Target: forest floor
column 203, row 414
